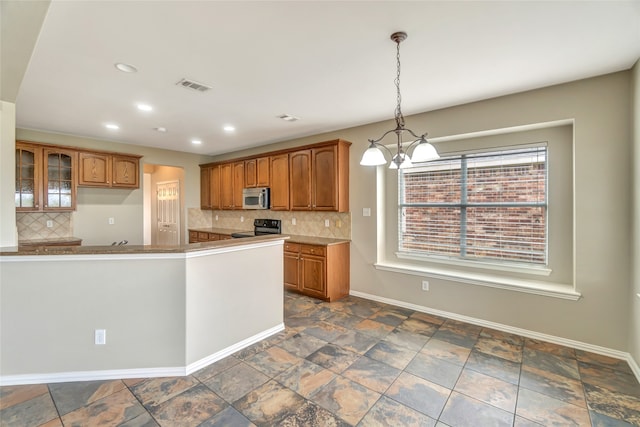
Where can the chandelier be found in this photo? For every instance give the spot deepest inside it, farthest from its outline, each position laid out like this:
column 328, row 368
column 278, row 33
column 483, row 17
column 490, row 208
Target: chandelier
column 423, row 151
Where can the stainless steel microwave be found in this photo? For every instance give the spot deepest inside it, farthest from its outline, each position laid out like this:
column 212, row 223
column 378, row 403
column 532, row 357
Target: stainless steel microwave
column 255, row 198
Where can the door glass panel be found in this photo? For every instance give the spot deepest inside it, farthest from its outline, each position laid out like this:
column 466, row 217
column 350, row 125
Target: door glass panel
column 54, row 187
column 27, row 171
column 26, row 186
column 53, row 173
column 65, row 174
column 27, row 157
column 26, row 200
column 65, row 187
column 54, row 160
column 53, row 201
column 65, row 161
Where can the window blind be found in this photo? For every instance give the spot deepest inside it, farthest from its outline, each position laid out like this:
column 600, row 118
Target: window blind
column 489, row 205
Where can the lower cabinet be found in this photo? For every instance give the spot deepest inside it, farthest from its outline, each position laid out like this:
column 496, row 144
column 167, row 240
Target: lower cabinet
column 317, row 271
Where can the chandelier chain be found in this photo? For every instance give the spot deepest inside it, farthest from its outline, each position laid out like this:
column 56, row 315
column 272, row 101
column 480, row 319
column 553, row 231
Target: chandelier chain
column 399, row 115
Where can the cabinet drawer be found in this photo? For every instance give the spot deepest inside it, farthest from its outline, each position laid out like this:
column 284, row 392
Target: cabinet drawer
column 193, row 236
column 203, row 237
column 292, row 247
column 313, row 250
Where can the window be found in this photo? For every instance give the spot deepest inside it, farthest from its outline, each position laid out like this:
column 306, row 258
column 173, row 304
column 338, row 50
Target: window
column 477, row 206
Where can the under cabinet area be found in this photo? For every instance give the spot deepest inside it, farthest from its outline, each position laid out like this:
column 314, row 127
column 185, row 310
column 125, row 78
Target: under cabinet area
column 204, row 236
column 316, row 270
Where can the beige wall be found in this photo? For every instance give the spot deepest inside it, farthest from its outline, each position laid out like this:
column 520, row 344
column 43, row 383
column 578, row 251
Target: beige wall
column 634, row 315
column 8, row 229
column 96, row 205
column 600, row 109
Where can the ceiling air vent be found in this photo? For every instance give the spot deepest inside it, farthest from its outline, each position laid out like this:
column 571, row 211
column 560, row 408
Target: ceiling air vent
column 191, row 84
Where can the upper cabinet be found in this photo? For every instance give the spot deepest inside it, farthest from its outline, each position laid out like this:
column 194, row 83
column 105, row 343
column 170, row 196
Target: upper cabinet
column 313, row 177
column 45, row 178
column 99, row 169
column 319, row 178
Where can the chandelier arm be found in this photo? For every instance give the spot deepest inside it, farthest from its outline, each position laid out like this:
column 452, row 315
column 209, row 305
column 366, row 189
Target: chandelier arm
column 375, row 141
column 421, row 138
column 377, row 144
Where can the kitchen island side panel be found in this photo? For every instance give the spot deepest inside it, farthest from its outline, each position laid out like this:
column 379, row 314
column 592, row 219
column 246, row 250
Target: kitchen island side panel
column 232, row 297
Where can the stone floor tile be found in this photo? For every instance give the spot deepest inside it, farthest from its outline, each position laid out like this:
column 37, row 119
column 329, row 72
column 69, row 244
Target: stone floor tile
column 614, row 405
column 305, row 378
column 391, row 354
column 490, row 390
column 558, row 350
column 30, row 412
column 154, row 391
column 311, row 414
column 114, row 409
column 372, row 328
column 247, row 352
column 419, row 394
column 389, row 317
column 388, row 412
column 325, row 331
column 215, row 368
column 302, row 344
column 549, row 411
column 523, row 422
column 14, row 394
column 411, row 340
column 189, row 408
column 418, row 326
column 564, row 366
column 429, row 318
column 494, row 366
column 606, row 361
column 343, row 320
column 616, row 381
column 372, row 374
column 236, row 381
column 464, row 411
column 269, row 404
column 513, row 339
column 556, row 386
column 348, row 400
column 446, row 351
column 499, row 348
column 601, row 420
column 356, row 342
column 435, row 370
column 57, row 422
column 228, row 417
column 142, row 420
column 273, row 361
column 333, row 357
column 461, row 328
column 73, row 395
column 455, row 338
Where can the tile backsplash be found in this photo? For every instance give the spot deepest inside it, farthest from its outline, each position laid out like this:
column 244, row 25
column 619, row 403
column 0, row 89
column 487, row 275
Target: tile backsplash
column 33, row 225
column 307, row 223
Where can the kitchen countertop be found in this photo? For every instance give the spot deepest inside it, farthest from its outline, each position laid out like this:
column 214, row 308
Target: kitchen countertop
column 60, row 241
column 293, row 238
column 133, row 249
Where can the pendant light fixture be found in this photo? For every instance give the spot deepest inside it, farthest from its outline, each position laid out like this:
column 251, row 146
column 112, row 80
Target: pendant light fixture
column 423, row 151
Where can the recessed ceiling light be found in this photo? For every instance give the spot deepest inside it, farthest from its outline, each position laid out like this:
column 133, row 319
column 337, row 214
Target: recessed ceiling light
column 196, row 141
column 145, row 107
column 126, row 68
column 288, row 117
column 112, row 126
column 229, row 128
column 160, row 129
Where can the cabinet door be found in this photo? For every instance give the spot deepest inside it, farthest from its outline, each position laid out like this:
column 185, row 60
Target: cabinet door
column 238, row 184
column 291, row 271
column 59, row 183
column 250, row 173
column 214, row 187
column 205, row 188
column 193, row 236
column 226, row 186
column 94, row 169
column 28, row 167
column 324, row 179
column 300, row 180
column 126, row 172
column 312, row 275
column 279, row 182
column 262, row 179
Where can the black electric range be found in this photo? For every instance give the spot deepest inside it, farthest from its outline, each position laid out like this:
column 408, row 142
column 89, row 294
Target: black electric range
column 261, row 227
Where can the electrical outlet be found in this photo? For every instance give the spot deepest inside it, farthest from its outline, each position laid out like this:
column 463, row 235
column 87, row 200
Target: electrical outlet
column 326, row 223
column 216, row 217
column 366, row 211
column 241, row 219
column 293, row 221
column 101, row 336
column 112, row 221
column 425, row 285
column 49, row 223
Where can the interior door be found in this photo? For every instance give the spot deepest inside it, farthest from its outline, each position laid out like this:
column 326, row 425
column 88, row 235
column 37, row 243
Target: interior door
column 168, row 195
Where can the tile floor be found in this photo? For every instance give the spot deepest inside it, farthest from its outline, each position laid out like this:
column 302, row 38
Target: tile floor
column 356, row 362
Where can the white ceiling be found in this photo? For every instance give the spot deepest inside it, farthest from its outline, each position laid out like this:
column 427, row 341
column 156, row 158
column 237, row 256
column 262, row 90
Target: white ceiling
column 331, row 63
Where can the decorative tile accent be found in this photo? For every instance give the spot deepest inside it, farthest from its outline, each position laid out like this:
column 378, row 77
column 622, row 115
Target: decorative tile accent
column 33, row 225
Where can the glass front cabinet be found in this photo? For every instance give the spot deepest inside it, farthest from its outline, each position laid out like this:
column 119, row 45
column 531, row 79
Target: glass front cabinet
column 45, row 178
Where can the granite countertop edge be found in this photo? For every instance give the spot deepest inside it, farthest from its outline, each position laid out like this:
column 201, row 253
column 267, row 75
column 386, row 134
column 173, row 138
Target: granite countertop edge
column 293, row 238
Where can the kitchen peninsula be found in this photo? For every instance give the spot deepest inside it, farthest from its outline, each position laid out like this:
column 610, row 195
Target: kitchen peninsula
column 166, row 310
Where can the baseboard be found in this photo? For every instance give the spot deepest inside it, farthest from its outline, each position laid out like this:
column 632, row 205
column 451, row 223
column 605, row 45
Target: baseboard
column 510, row 329
column 118, row 374
column 206, row 361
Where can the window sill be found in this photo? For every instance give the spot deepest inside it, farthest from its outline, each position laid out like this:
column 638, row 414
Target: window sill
column 494, row 266
column 555, row 290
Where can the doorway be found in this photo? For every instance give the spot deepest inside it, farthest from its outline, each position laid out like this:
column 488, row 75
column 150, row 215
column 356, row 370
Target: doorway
column 163, row 205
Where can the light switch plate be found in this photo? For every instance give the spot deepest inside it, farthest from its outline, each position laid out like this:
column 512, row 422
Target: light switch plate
column 112, row 221
column 366, row 211
column 101, row 336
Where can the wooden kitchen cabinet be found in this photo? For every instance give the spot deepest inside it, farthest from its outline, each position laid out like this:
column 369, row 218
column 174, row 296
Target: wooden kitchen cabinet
column 231, row 185
column 100, row 169
column 45, row 178
column 317, row 271
column 256, row 172
column 279, row 182
column 203, row 236
column 319, row 178
column 205, row 188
